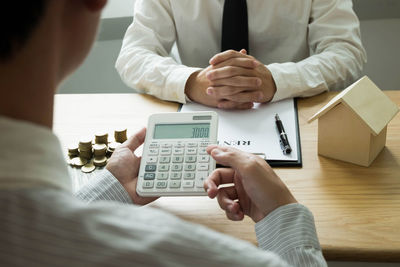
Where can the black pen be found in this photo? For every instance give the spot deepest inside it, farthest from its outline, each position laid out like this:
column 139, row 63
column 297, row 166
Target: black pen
column 282, row 135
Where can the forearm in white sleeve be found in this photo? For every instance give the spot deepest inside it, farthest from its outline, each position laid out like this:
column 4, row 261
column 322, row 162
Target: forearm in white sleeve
column 103, row 187
column 144, row 62
column 289, row 231
column 337, row 55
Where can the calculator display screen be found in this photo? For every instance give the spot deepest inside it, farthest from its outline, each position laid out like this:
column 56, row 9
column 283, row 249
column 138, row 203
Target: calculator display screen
column 177, row 131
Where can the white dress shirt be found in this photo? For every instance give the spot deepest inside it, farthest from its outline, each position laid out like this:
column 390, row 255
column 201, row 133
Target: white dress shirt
column 44, row 224
column 309, row 46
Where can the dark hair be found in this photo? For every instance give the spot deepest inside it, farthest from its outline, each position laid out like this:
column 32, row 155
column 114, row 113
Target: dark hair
column 18, row 19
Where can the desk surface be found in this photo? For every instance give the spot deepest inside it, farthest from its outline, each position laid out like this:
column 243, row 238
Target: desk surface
column 356, row 209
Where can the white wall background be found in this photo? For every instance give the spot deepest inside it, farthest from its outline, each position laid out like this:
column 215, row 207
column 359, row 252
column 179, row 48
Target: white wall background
column 380, row 28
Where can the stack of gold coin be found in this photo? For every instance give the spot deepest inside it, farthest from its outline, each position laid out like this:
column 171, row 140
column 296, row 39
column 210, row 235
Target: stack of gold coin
column 85, row 148
column 99, row 150
column 88, row 156
column 100, row 161
column 120, row 135
column 73, row 151
column 101, row 138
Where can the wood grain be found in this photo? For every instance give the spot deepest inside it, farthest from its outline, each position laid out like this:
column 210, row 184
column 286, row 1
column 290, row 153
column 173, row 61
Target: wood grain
column 356, row 209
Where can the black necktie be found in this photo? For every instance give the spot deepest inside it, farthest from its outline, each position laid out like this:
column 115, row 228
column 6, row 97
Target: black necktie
column 235, row 32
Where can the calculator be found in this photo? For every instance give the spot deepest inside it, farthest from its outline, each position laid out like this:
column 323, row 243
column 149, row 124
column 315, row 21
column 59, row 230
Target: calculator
column 174, row 160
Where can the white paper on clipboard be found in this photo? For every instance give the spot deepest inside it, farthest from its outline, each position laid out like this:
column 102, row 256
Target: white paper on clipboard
column 254, row 130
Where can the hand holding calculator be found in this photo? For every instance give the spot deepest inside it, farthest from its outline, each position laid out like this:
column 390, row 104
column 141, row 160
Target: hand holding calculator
column 174, row 160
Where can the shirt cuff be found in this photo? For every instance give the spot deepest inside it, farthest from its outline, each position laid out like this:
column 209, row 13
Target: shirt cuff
column 104, row 187
column 287, row 80
column 177, row 81
column 287, row 228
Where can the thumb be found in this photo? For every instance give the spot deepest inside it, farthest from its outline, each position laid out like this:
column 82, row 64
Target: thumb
column 228, row 156
column 136, row 140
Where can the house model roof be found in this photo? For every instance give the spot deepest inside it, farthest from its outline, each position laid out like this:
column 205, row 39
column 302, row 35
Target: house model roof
column 367, row 101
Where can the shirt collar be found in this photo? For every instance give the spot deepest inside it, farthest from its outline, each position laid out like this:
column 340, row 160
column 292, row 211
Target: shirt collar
column 30, row 155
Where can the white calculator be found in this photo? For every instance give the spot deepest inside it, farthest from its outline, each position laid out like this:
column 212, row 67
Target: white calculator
column 175, row 161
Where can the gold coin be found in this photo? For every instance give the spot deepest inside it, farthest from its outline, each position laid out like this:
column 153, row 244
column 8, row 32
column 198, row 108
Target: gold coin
column 88, row 168
column 86, row 154
column 100, row 161
column 73, row 148
column 78, row 161
column 85, row 141
column 120, row 135
column 99, row 147
column 101, row 138
column 99, row 150
column 112, row 146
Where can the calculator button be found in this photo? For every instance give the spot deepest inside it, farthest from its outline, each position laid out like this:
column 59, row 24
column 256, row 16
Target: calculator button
column 162, row 175
column 176, row 167
column 188, row 184
column 191, row 151
column 190, row 159
column 176, row 175
column 204, row 158
column 165, row 151
column 179, row 145
column 163, row 168
column 167, row 145
column 191, row 144
column 165, row 159
column 202, row 151
column 204, row 144
column 202, row 166
column 154, row 145
column 200, row 178
column 190, row 167
column 175, row 184
column 177, row 159
column 189, row 175
column 152, row 160
column 150, row 168
column 148, row 184
column 178, row 151
column 153, row 151
column 149, row 176
column 161, row 184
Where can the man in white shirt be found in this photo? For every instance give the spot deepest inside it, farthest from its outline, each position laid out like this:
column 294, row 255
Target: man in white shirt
column 44, row 224
column 298, row 48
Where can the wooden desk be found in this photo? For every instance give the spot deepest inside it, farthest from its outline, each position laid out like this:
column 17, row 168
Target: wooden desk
column 356, row 209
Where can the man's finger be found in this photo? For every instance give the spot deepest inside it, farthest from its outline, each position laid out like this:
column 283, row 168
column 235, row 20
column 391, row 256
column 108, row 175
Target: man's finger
column 218, row 177
column 238, row 81
column 223, row 91
column 229, row 71
column 238, row 216
column 226, row 104
column 229, row 156
column 243, row 62
column 136, row 140
column 226, row 199
column 247, row 96
column 227, row 54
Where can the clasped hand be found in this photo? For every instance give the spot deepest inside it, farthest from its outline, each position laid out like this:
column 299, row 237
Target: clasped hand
column 234, row 80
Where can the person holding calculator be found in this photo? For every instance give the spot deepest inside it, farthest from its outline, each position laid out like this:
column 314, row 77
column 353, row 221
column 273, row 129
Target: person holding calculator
column 106, row 223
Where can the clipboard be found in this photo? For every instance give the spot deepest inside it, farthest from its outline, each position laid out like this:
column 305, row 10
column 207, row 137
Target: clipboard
column 254, row 130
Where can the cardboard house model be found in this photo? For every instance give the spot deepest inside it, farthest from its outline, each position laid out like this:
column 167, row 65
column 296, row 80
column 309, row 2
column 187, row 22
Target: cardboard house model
column 352, row 126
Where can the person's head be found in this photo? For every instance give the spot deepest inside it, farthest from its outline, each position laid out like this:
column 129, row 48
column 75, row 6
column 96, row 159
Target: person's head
column 63, row 28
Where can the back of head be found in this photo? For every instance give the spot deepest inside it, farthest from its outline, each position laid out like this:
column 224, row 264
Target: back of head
column 18, row 21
